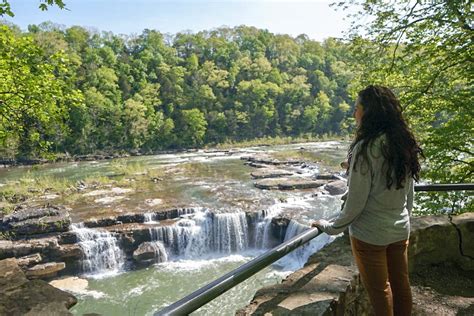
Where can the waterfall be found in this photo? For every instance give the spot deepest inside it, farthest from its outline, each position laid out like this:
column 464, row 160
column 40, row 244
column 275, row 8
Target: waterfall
column 160, row 252
column 204, row 233
column 149, row 218
column 101, row 250
column 263, row 229
column 263, row 236
column 230, row 232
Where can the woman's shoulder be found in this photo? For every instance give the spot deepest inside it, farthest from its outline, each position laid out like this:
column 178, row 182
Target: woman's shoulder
column 376, row 143
column 376, row 147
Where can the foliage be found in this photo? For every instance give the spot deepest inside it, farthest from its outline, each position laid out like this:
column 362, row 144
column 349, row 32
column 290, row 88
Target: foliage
column 5, row 8
column 423, row 50
column 33, row 94
column 83, row 92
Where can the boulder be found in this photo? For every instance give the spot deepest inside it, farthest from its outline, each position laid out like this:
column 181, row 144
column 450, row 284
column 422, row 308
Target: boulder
column 45, row 270
column 437, row 239
column 279, row 224
column 336, row 187
column 11, row 275
column 71, row 284
column 21, row 296
column 149, row 252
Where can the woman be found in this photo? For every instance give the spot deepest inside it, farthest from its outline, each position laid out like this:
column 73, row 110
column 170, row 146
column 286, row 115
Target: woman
column 383, row 162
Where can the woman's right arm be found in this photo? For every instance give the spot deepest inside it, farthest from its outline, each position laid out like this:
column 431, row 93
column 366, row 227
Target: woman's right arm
column 360, row 181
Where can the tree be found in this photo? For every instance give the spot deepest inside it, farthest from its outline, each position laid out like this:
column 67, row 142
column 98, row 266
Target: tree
column 134, row 92
column 5, row 8
column 193, row 128
column 34, row 96
column 423, row 50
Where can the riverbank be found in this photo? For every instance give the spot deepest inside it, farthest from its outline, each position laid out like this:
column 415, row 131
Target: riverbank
column 7, row 162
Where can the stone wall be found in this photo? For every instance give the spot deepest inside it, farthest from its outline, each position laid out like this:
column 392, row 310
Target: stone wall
column 329, row 283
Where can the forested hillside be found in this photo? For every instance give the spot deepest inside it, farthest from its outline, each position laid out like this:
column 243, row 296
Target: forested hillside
column 80, row 91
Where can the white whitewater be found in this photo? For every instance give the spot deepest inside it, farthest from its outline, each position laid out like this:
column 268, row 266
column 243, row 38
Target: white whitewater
column 298, row 257
column 160, row 252
column 263, row 239
column 102, row 253
column 203, row 234
column 149, row 218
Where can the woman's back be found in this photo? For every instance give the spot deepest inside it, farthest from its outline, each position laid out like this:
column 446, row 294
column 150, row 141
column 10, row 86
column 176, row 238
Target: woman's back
column 385, row 217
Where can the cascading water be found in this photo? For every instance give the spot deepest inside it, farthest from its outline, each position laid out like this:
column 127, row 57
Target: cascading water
column 149, row 218
column 263, row 238
column 296, row 259
column 102, row 253
column 204, row 233
column 160, row 252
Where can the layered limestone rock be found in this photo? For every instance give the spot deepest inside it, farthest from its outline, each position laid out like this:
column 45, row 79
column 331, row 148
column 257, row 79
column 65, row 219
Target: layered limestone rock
column 327, row 176
column 270, row 173
column 21, row 248
column 21, row 296
column 33, row 221
column 266, row 160
column 45, row 270
column 289, row 183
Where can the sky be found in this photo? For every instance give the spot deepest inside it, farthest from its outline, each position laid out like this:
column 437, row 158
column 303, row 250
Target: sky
column 312, row 17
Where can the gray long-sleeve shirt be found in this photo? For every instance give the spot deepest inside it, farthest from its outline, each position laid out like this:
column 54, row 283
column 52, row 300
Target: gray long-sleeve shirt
column 374, row 214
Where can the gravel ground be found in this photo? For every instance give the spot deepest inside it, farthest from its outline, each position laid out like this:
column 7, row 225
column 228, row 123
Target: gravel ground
column 443, row 290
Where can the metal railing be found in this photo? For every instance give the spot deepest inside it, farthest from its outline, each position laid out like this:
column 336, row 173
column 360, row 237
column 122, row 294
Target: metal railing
column 200, row 297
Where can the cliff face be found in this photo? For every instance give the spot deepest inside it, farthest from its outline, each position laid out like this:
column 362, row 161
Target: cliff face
column 441, row 257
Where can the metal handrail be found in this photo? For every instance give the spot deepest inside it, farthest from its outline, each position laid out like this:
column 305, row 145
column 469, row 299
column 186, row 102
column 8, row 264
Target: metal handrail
column 200, row 297
column 444, row 187
column 207, row 293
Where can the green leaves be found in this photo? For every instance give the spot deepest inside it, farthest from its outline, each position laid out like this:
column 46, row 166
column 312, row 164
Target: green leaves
column 32, row 93
column 423, row 50
column 104, row 92
column 5, row 8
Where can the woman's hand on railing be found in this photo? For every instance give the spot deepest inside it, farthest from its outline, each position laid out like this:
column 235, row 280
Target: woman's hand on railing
column 320, row 224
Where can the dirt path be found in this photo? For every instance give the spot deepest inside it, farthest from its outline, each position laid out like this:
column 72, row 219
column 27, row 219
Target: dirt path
column 443, row 290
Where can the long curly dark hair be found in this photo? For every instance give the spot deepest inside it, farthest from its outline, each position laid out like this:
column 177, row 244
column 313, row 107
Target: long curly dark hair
column 382, row 114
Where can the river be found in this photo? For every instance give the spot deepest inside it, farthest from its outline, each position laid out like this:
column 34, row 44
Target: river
column 216, row 182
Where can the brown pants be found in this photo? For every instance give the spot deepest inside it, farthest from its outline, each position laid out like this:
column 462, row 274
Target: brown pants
column 384, row 273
